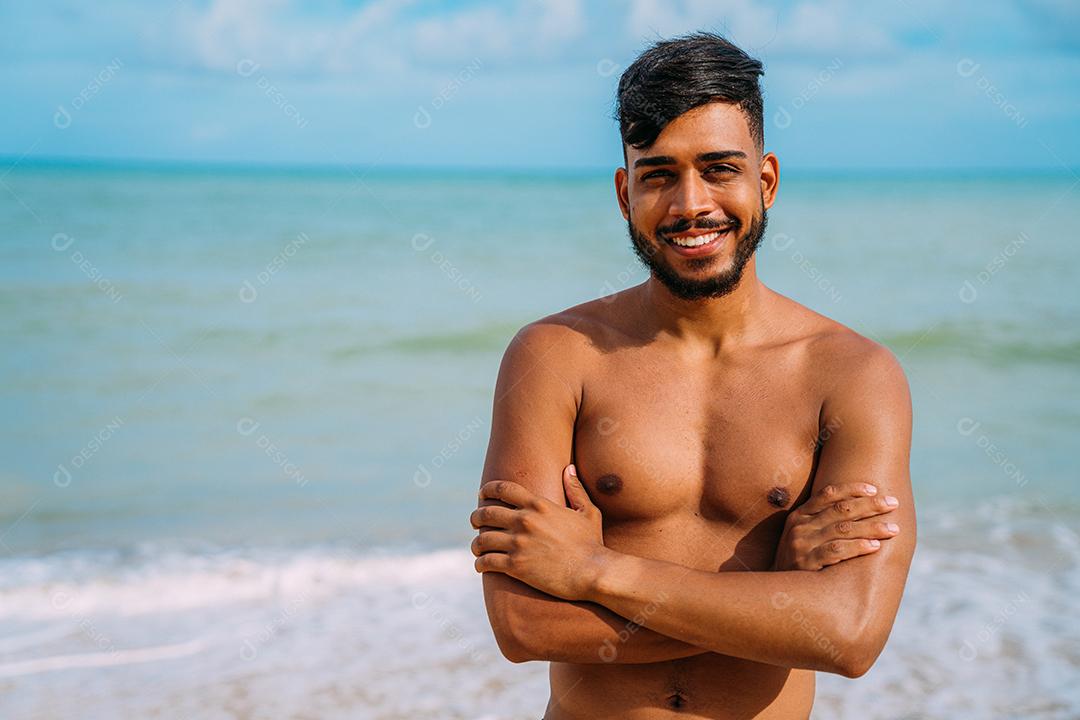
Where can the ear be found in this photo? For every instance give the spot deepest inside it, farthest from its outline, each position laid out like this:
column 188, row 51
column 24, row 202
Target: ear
column 770, row 179
column 622, row 191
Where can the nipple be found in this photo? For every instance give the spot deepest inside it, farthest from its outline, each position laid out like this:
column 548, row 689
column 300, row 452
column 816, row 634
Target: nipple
column 609, row 484
column 778, row 497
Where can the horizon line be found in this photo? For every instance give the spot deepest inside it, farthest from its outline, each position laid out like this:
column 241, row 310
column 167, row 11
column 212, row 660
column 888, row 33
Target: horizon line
column 11, row 162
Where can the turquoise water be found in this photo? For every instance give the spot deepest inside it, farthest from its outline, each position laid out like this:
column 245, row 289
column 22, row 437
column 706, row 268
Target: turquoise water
column 225, row 386
column 374, row 337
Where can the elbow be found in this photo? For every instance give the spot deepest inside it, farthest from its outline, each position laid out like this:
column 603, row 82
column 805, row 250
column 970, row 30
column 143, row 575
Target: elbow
column 859, row 655
column 522, row 620
column 852, row 665
column 512, row 648
column 513, row 644
column 513, row 651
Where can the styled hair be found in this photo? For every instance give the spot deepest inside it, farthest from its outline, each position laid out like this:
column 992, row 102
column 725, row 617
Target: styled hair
column 674, row 76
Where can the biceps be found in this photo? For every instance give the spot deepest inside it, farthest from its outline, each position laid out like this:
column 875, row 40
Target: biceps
column 874, row 448
column 532, row 423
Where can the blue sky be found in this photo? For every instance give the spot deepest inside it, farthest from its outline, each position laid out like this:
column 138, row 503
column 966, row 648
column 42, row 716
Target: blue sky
column 902, row 84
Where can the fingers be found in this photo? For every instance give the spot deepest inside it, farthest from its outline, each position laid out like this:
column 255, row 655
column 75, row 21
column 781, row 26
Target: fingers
column 858, row 508
column 492, row 562
column 491, row 541
column 846, row 539
column 492, row 516
column 865, row 529
column 576, row 494
column 511, row 493
column 836, row 551
column 831, row 494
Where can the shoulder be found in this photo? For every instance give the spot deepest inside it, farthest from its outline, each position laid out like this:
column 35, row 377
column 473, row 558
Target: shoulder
column 551, row 356
column 572, row 335
column 859, row 378
column 847, row 366
column 854, row 358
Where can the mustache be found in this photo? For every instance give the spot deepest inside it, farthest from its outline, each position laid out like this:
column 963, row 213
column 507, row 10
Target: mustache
column 700, row 224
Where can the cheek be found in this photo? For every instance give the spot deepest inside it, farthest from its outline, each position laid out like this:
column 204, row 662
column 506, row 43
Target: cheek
column 743, row 201
column 645, row 214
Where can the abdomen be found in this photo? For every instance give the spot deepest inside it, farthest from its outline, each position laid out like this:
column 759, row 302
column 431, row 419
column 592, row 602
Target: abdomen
column 704, row 686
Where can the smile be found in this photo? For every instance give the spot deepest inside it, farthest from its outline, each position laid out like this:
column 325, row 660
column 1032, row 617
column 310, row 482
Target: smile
column 695, row 240
column 699, row 243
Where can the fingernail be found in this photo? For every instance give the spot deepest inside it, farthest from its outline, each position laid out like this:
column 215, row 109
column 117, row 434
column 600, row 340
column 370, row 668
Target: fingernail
column 870, row 489
column 573, row 470
column 891, row 501
column 874, row 543
column 892, row 527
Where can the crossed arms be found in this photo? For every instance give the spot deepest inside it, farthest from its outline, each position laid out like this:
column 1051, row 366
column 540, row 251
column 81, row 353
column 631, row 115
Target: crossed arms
column 836, row 619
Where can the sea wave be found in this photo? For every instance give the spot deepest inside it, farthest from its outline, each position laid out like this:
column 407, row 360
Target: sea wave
column 488, row 338
column 999, row 344
column 985, row 630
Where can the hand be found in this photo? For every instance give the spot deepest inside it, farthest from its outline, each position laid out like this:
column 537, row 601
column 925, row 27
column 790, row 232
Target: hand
column 554, row 548
column 833, row 526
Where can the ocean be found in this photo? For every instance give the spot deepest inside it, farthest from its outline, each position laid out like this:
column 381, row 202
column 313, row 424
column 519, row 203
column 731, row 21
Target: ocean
column 245, row 412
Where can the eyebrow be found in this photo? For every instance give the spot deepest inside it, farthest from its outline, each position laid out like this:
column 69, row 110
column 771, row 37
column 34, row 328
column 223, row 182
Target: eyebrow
column 655, row 160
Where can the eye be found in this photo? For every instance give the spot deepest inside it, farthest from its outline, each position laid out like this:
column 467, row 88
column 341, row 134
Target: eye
column 656, row 174
column 722, row 169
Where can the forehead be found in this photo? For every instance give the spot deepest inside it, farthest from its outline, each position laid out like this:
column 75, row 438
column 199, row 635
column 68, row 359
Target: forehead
column 709, row 127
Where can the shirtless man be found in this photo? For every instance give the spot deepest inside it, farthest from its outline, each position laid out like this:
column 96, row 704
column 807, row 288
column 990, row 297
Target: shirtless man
column 674, row 509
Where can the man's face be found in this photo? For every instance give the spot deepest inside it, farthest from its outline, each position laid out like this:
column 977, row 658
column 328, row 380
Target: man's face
column 695, row 201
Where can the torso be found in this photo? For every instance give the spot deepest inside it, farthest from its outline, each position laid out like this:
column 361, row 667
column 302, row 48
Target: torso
column 697, row 462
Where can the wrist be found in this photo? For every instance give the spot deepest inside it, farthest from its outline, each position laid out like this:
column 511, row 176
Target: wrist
column 602, row 570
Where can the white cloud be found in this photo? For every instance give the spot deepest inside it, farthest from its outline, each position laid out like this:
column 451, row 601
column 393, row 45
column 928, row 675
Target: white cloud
column 528, row 29
column 832, row 28
column 280, row 36
column 745, row 22
column 810, row 27
column 377, row 37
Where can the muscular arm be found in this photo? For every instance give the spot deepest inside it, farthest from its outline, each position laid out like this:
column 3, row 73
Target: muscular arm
column 536, row 402
column 837, row 619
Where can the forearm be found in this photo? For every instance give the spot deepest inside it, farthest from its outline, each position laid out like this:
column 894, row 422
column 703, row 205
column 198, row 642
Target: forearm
column 532, row 625
column 796, row 619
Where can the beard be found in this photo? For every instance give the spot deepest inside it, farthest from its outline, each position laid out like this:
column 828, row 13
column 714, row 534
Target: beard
column 717, row 285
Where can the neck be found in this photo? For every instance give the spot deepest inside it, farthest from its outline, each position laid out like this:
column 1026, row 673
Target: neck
column 717, row 323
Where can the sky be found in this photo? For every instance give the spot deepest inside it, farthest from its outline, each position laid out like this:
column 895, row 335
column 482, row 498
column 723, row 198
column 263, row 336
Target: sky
column 897, row 84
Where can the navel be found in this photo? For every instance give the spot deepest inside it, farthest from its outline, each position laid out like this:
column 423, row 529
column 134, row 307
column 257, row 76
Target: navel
column 778, row 497
column 609, row 484
column 676, row 701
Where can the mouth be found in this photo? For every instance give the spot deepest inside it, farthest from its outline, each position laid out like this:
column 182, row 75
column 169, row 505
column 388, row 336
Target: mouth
column 698, row 242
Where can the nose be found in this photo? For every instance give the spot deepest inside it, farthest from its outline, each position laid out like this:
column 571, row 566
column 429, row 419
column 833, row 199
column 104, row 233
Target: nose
column 691, row 198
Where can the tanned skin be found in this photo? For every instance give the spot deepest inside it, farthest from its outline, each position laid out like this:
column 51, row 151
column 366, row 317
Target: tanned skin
column 714, row 441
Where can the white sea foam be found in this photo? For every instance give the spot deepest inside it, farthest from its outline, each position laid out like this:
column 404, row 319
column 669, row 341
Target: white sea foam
column 986, row 630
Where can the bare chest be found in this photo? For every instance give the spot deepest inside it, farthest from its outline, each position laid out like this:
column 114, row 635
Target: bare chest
column 680, row 459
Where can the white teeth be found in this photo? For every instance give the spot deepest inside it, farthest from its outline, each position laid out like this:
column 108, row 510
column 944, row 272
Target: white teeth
column 696, row 241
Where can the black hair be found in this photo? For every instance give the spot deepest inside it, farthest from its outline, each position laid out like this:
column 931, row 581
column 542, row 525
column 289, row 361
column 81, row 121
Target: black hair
column 674, row 76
